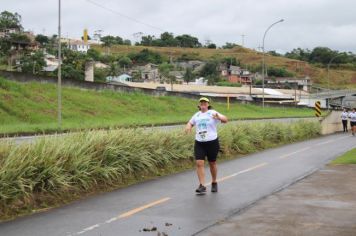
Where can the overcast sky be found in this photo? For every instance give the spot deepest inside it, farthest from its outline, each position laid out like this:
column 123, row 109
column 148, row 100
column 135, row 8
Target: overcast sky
column 308, row 23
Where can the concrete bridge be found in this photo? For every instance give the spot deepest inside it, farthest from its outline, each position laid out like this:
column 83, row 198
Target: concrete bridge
column 332, row 98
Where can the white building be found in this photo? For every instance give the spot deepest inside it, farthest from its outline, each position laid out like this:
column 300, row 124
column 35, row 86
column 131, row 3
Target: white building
column 79, row 46
column 51, row 63
column 200, row 81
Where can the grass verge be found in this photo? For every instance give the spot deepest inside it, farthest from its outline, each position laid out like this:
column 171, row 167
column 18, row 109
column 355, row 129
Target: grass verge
column 347, row 158
column 32, row 108
column 55, row 171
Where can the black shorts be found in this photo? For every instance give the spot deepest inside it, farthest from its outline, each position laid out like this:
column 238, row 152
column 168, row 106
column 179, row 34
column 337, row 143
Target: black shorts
column 353, row 124
column 209, row 149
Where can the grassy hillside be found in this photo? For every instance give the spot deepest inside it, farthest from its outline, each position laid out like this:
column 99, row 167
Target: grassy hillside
column 32, row 107
column 338, row 78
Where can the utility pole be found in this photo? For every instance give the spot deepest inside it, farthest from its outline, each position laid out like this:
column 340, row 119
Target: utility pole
column 59, row 87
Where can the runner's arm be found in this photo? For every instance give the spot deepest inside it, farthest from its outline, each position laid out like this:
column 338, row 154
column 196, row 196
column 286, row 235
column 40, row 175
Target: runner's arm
column 221, row 117
column 188, row 127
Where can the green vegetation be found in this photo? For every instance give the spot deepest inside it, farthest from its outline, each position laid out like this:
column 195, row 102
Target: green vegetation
column 56, row 170
column 32, row 108
column 348, row 158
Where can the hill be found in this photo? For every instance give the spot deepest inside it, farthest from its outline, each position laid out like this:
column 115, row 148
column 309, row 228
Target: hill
column 339, row 78
column 32, row 108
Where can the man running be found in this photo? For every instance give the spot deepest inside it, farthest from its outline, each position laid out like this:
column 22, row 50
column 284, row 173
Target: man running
column 206, row 141
column 353, row 121
column 344, row 117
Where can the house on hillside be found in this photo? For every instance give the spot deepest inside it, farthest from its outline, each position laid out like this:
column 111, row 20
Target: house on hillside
column 76, row 45
column 235, row 74
column 6, row 32
column 148, row 72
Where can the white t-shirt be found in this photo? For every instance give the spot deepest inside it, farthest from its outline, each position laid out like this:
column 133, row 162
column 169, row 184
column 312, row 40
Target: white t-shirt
column 353, row 116
column 344, row 115
column 206, row 125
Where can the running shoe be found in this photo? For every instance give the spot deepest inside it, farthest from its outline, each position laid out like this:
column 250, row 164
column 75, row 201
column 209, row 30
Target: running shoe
column 214, row 187
column 201, row 189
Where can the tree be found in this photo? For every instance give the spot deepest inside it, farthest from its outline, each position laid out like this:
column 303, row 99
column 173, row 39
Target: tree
column 127, row 42
column 147, row 40
column 188, row 75
column 14, row 39
column 125, row 61
column 210, row 72
column 73, row 64
column 299, row 54
column 278, row 72
column 164, row 69
column 19, row 38
column 322, row 55
column 168, row 40
column 274, row 53
column 10, row 20
column 146, row 56
column 108, row 40
column 33, row 63
column 93, row 54
column 187, row 41
column 42, row 39
column 212, row 45
column 114, row 69
column 210, row 69
column 229, row 45
column 100, row 75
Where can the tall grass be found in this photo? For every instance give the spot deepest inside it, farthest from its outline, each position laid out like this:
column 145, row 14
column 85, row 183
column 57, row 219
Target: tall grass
column 78, row 163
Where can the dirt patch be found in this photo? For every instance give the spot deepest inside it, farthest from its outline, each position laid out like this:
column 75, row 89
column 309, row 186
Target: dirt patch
column 322, row 204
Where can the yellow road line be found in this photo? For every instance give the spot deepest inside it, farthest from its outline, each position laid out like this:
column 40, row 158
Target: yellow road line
column 124, row 215
column 252, row 168
column 138, row 209
column 240, row 172
column 293, row 153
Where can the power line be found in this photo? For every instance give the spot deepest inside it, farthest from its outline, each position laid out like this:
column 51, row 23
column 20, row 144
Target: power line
column 125, row 16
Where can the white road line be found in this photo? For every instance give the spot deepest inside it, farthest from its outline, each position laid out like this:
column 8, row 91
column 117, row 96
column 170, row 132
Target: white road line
column 293, row 153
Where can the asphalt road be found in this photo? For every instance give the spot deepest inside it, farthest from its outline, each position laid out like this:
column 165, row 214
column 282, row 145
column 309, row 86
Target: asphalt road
column 170, row 204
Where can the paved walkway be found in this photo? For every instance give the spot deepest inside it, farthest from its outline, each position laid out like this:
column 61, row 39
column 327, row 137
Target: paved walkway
column 323, row 204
